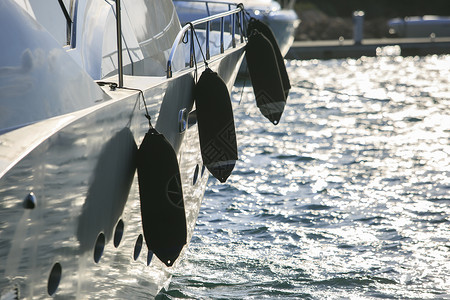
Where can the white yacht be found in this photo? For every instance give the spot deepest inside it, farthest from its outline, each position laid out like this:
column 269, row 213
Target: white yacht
column 72, row 116
column 282, row 20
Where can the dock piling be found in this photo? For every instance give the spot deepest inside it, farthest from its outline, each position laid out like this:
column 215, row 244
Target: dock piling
column 358, row 26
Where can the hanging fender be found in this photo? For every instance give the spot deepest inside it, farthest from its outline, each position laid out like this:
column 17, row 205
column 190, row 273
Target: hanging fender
column 215, row 125
column 161, row 196
column 256, row 24
column 265, row 76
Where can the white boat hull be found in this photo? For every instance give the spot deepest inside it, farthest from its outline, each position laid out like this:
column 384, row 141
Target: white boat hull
column 79, row 175
column 70, row 221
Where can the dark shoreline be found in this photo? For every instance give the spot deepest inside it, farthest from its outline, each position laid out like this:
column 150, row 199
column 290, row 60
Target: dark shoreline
column 316, row 25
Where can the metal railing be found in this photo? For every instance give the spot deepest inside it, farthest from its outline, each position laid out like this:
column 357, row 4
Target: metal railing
column 234, row 14
column 119, row 43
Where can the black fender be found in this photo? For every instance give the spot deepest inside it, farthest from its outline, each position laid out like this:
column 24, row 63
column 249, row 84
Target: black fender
column 255, row 24
column 265, row 76
column 161, row 196
column 215, row 125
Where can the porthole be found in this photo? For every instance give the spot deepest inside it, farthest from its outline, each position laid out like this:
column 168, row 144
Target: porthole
column 138, row 247
column 99, row 247
column 30, row 201
column 195, row 175
column 203, row 170
column 118, row 233
column 149, row 257
column 54, row 278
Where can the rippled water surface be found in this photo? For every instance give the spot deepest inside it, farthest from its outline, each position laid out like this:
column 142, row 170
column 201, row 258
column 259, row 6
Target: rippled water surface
column 348, row 197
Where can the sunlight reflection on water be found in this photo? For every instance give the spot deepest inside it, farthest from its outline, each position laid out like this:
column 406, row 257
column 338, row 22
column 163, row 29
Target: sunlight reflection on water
column 348, row 197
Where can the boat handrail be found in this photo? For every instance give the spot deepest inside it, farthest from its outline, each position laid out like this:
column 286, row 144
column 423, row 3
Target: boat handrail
column 210, row 2
column 238, row 13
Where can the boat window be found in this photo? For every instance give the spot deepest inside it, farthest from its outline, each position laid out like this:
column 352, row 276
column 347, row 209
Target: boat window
column 56, row 17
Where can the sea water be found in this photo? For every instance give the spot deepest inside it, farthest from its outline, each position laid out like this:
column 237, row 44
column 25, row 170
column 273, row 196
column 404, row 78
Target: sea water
column 347, row 198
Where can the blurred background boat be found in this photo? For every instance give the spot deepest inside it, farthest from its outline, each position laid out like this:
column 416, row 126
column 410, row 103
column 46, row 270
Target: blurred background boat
column 282, row 19
column 424, row 26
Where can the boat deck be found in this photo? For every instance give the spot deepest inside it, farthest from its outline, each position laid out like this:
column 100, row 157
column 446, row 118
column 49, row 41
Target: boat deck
column 331, row 49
